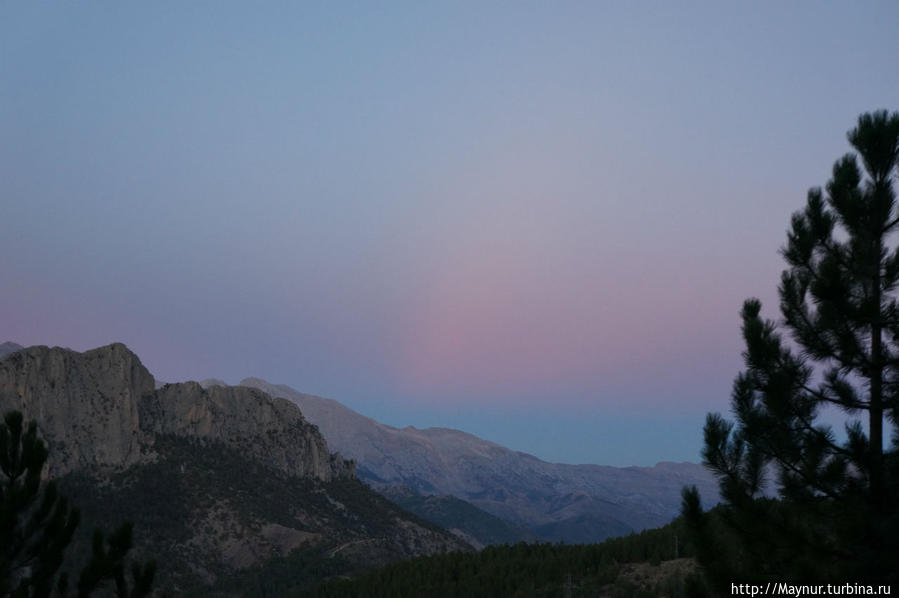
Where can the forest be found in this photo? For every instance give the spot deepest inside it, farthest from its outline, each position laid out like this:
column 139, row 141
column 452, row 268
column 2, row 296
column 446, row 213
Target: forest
column 654, row 562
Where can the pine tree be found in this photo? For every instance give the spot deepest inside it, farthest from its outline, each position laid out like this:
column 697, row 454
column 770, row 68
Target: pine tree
column 37, row 525
column 836, row 516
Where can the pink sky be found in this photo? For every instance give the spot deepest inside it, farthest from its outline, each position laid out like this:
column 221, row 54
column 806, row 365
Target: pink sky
column 439, row 215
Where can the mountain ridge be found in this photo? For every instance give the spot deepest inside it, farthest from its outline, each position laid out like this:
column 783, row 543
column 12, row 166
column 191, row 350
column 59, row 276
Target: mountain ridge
column 546, row 498
column 100, row 409
column 218, row 482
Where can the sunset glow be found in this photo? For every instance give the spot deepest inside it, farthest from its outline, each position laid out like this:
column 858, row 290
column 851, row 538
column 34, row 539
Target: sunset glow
column 428, row 213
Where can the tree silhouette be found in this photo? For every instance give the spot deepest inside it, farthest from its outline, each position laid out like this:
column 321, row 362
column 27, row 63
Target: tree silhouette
column 37, row 525
column 836, row 515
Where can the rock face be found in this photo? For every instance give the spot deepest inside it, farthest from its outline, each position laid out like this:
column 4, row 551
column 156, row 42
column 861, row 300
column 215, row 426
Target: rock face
column 86, row 404
column 557, row 502
column 271, row 431
column 100, row 410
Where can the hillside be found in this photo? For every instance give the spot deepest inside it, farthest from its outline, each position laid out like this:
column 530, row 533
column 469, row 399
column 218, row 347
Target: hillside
column 221, row 483
column 222, row 524
column 655, row 563
column 556, row 502
column 473, row 525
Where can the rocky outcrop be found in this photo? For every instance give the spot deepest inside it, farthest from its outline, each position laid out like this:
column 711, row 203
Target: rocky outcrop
column 86, row 404
column 271, row 431
column 100, row 410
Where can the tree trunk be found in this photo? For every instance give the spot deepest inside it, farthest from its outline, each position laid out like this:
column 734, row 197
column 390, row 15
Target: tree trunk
column 875, row 412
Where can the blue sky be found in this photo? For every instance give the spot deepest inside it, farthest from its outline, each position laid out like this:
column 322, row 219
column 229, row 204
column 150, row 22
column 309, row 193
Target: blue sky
column 533, row 222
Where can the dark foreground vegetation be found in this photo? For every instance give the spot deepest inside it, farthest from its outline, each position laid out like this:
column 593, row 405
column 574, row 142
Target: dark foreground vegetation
column 643, row 564
column 37, row 526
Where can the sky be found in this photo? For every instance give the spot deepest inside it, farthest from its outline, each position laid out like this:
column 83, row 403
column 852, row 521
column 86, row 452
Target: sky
column 535, row 222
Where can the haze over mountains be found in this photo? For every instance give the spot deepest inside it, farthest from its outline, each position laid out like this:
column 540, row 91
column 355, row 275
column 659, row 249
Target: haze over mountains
column 556, row 502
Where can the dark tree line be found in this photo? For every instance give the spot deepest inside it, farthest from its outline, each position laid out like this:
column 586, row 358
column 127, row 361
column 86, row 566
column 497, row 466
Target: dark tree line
column 37, row 525
column 527, row 570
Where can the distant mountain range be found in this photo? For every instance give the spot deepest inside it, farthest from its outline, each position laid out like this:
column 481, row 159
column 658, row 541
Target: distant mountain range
column 553, row 501
column 485, row 493
column 232, row 491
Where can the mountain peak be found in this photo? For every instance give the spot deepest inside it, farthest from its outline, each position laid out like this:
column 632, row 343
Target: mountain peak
column 9, row 347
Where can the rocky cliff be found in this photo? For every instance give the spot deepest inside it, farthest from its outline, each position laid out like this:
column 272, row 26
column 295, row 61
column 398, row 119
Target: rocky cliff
column 100, row 410
column 271, row 431
column 86, row 404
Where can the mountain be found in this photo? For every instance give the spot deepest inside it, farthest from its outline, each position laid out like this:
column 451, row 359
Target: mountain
column 8, row 347
column 557, row 502
column 473, row 525
column 99, row 409
column 226, row 486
